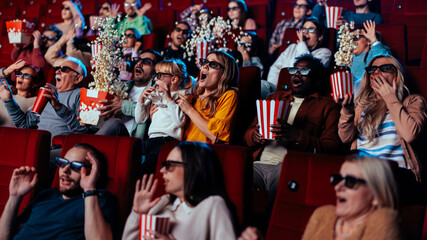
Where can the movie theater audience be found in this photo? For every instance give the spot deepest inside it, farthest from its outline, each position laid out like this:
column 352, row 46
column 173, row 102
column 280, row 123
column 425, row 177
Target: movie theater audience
column 249, row 47
column 135, row 17
column 196, row 16
column 195, row 197
column 237, row 13
column 73, row 19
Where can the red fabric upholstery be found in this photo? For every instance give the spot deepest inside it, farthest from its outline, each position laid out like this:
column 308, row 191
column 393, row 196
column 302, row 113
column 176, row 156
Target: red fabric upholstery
column 123, row 161
column 284, row 82
column 58, row 140
column 54, row 10
column 283, row 10
column 213, row 3
column 32, row 11
column 9, row 13
column 48, row 20
column 163, row 23
column 394, row 35
column 23, row 147
column 149, row 41
column 237, row 166
column 89, row 8
column 249, row 91
column 292, row 209
column 415, row 80
column 424, row 56
column 259, row 13
column 177, row 4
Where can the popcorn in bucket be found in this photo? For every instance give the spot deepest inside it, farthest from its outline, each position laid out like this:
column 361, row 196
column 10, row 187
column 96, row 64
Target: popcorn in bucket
column 20, row 31
column 150, row 222
column 342, row 84
column 268, row 111
column 89, row 104
column 332, row 15
column 203, row 48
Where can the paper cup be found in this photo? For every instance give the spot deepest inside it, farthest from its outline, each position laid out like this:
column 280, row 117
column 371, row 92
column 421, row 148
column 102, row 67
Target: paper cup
column 150, row 222
column 19, row 31
column 332, row 15
column 40, row 102
column 342, row 84
column 268, row 111
column 89, row 104
column 203, row 49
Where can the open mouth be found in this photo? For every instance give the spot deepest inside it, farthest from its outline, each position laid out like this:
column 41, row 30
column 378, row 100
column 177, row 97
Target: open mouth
column 203, row 76
column 296, row 82
column 138, row 71
column 65, row 181
column 58, row 78
column 306, row 39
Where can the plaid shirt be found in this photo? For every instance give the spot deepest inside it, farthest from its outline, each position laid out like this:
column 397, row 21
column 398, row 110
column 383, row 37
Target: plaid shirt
column 279, row 32
column 188, row 16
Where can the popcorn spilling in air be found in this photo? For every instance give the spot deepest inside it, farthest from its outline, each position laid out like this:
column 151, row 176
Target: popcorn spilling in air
column 344, row 55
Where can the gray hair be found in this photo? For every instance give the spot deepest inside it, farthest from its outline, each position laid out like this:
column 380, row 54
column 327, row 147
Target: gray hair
column 80, row 66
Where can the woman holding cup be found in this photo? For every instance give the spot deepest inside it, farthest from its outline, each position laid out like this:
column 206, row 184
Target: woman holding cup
column 196, row 201
column 28, row 80
column 214, row 102
column 384, row 119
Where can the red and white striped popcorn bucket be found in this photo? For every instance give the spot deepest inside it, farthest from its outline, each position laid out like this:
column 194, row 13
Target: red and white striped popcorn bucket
column 89, row 104
column 96, row 49
column 150, row 222
column 20, row 31
column 342, row 84
column 268, row 111
column 203, row 48
column 332, row 15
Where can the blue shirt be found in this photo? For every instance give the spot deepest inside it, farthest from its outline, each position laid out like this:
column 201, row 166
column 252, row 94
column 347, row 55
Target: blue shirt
column 357, row 18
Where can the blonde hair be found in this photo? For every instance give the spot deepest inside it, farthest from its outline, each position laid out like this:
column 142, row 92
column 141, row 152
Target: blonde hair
column 380, row 180
column 227, row 81
column 177, row 68
column 376, row 109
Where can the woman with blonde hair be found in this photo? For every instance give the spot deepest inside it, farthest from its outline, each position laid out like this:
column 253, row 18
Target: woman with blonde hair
column 366, row 204
column 167, row 121
column 214, row 102
column 384, row 120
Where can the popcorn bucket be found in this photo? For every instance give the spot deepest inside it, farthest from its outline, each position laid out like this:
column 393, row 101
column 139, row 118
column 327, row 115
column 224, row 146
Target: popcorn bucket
column 20, row 31
column 342, row 83
column 203, row 48
column 89, row 104
column 96, row 49
column 332, row 15
column 40, row 102
column 268, row 111
column 150, row 222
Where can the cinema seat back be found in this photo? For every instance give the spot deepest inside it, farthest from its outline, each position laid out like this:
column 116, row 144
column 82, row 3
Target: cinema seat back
column 23, row 147
column 303, row 186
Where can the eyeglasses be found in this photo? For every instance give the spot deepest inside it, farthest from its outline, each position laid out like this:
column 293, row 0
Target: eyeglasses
column 349, row 181
column 184, row 31
column 130, row 35
column 75, row 166
column 245, row 44
column 385, row 68
column 65, row 8
column 105, row 8
column 310, row 30
column 48, row 38
column 303, row 71
column 65, row 69
column 24, row 75
column 146, row 61
column 212, row 64
column 130, row 4
column 232, row 8
column 357, row 38
column 296, row 5
column 159, row 75
column 169, row 163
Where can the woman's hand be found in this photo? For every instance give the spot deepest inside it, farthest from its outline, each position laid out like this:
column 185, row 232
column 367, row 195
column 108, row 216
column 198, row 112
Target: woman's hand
column 37, row 39
column 159, row 236
column 143, row 199
column 250, row 233
column 183, row 103
column 144, row 9
column 380, row 85
column 164, row 88
column 347, row 104
column 114, row 10
column 15, row 66
column 369, row 31
column 146, row 94
column 300, row 36
column 5, row 94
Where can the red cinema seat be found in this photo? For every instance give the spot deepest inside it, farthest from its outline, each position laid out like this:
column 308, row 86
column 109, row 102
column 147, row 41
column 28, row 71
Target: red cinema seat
column 149, row 41
column 46, row 21
column 249, row 85
column 259, row 13
column 32, row 12
column 394, row 35
column 237, row 166
column 424, row 56
column 89, row 8
column 54, row 10
column 9, row 13
column 283, row 10
column 284, row 82
column 303, row 186
column 5, row 47
column 213, row 3
column 123, row 160
column 163, row 23
column 23, row 147
column 177, row 4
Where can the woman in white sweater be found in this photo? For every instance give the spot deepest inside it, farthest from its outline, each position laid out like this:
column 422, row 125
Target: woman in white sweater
column 196, row 201
column 311, row 38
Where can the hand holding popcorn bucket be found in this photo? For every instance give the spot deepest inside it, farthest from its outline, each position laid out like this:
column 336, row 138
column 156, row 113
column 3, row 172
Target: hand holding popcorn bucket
column 268, row 112
column 342, row 82
column 20, row 31
column 89, row 104
column 332, row 15
column 155, row 223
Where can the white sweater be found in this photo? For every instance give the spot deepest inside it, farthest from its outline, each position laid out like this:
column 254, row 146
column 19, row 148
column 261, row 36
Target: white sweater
column 167, row 121
column 287, row 59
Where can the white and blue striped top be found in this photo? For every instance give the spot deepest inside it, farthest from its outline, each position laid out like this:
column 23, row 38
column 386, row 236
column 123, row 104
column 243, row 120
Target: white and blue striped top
column 385, row 145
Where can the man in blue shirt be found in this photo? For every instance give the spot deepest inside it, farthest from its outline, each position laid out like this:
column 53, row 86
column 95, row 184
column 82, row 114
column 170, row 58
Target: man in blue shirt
column 77, row 210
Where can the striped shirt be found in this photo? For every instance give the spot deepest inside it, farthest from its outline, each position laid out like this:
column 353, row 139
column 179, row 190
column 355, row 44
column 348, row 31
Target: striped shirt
column 279, row 32
column 386, row 143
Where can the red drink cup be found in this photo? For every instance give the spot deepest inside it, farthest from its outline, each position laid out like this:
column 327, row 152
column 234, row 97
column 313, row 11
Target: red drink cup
column 40, row 102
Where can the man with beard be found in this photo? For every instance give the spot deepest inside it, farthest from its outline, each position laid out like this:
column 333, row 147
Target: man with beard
column 179, row 36
column 123, row 111
column 33, row 53
column 77, row 210
column 60, row 116
column 312, row 124
column 135, row 17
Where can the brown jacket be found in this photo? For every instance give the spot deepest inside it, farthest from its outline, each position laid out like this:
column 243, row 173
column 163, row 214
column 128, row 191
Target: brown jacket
column 409, row 118
column 317, row 120
column 382, row 224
